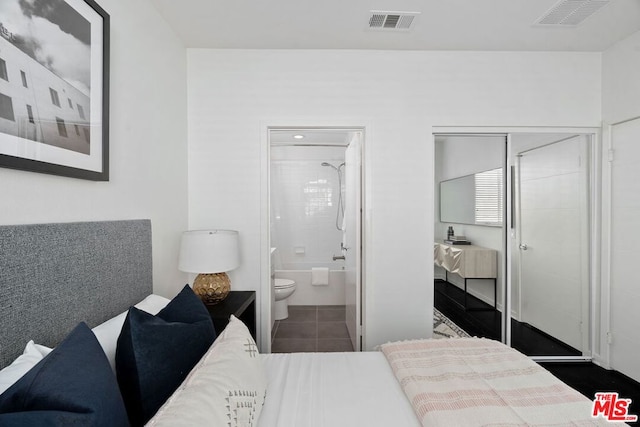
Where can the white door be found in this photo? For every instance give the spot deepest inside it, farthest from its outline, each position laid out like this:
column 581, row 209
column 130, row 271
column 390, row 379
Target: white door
column 625, row 252
column 351, row 238
column 554, row 240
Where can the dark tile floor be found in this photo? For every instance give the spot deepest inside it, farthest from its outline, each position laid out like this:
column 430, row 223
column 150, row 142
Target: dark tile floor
column 487, row 322
column 585, row 377
column 310, row 328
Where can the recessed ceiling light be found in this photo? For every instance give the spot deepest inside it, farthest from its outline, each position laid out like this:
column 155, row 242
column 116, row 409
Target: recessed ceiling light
column 298, row 136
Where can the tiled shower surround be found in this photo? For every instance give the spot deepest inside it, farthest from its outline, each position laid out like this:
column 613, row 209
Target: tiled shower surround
column 304, row 202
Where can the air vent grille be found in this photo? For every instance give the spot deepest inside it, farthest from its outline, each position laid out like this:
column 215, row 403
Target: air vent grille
column 401, row 21
column 571, row 12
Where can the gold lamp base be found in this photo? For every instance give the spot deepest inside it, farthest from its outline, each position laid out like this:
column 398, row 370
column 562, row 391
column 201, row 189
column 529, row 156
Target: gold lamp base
column 212, row 287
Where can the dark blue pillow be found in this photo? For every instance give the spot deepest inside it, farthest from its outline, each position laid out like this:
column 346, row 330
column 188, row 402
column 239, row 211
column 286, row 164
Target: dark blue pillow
column 73, row 385
column 155, row 353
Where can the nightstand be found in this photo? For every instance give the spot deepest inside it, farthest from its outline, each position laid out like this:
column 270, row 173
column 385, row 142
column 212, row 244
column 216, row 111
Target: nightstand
column 241, row 304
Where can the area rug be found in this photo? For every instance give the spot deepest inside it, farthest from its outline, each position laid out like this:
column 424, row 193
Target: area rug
column 443, row 327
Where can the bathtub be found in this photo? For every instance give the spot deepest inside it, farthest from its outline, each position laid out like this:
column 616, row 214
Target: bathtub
column 306, row 293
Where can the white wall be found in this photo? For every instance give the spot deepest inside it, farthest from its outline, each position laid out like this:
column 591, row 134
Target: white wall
column 398, row 96
column 147, row 144
column 620, row 83
column 620, row 95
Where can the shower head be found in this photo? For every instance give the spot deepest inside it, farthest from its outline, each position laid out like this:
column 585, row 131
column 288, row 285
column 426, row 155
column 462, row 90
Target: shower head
column 328, row 164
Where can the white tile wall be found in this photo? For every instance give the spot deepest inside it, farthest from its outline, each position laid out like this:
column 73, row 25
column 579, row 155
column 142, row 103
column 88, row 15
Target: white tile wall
column 304, row 203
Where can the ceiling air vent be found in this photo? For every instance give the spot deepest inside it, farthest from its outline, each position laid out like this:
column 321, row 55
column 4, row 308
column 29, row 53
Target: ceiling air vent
column 399, row 21
column 571, row 12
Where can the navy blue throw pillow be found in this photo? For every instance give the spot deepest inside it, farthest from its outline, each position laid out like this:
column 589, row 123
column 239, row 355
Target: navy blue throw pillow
column 155, row 353
column 72, row 386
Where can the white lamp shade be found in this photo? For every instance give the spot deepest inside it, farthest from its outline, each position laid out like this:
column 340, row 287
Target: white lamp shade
column 209, row 251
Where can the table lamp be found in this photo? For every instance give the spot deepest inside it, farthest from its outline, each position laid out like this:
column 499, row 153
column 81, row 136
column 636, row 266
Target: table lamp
column 210, row 253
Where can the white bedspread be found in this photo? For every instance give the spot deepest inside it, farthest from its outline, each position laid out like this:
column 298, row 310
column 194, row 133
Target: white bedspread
column 333, row 390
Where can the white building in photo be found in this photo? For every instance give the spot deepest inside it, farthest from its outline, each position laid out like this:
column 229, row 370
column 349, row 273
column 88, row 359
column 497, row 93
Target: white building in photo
column 38, row 105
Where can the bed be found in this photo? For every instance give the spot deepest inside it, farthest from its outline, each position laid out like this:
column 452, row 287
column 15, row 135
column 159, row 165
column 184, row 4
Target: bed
column 57, row 275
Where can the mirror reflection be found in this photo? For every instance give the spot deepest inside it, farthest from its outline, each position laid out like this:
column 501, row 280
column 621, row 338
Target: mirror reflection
column 475, row 199
column 546, row 246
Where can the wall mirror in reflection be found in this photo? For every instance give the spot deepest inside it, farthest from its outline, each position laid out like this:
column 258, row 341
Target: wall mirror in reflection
column 476, row 199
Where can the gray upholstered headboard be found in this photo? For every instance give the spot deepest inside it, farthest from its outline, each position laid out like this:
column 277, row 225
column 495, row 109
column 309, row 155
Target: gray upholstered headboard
column 52, row 276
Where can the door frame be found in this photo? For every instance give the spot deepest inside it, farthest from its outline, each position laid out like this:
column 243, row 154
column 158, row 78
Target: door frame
column 266, row 291
column 595, row 213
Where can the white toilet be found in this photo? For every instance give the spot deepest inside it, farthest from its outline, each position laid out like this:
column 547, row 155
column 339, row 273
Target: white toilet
column 284, row 288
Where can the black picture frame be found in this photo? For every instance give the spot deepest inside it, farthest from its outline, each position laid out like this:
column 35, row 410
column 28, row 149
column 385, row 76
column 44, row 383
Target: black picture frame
column 63, row 130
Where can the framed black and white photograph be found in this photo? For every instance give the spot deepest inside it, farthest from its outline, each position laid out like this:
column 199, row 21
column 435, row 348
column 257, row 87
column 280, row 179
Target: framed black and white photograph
column 54, row 87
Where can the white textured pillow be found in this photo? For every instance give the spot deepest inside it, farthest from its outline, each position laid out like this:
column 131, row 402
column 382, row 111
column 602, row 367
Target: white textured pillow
column 108, row 332
column 153, row 304
column 226, row 388
column 33, row 353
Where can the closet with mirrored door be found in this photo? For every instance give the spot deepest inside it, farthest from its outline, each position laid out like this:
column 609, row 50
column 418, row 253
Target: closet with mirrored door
column 513, row 242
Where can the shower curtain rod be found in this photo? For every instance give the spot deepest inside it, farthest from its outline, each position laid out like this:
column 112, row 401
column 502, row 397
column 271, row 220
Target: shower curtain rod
column 297, row 144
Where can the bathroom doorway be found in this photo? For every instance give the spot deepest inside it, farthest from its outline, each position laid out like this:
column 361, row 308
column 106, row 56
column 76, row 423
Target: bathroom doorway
column 315, row 235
